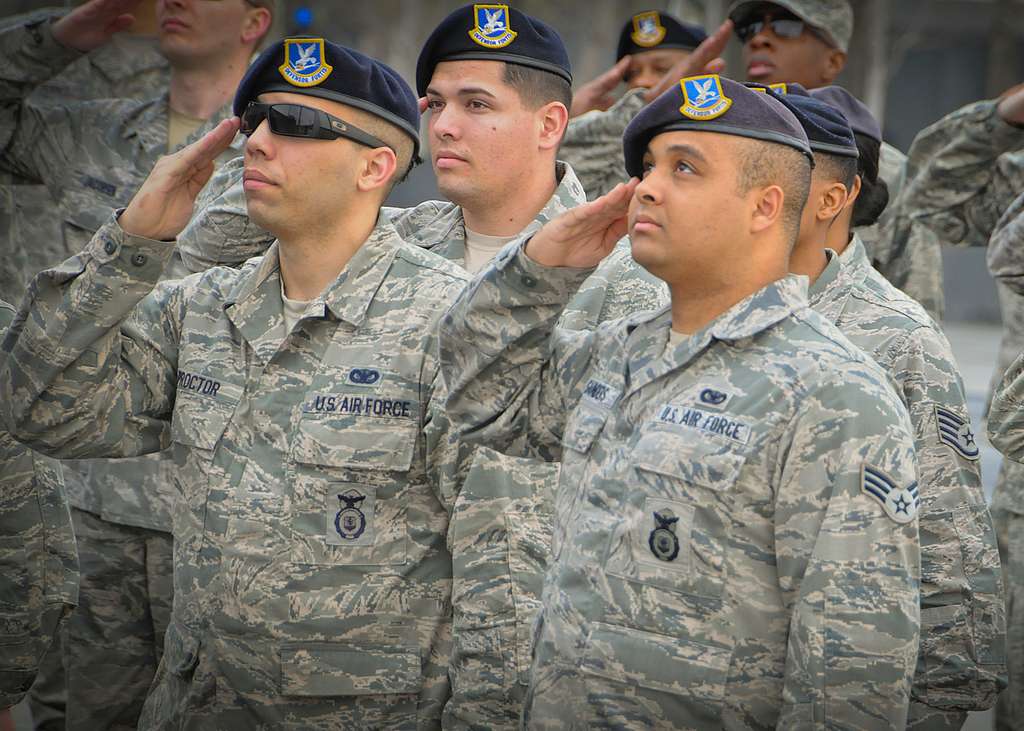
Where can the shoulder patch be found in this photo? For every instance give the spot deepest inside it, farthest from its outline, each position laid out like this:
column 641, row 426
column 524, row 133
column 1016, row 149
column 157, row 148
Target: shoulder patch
column 955, row 432
column 900, row 504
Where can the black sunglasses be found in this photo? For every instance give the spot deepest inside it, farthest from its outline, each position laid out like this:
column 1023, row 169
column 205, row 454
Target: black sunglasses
column 782, row 27
column 296, row 120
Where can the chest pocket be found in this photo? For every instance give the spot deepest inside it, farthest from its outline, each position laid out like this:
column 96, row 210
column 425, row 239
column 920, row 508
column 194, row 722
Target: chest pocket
column 673, row 530
column 203, row 406
column 354, row 448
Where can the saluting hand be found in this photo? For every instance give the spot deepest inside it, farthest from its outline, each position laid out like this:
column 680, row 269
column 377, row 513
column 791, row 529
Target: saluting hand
column 163, row 205
column 597, row 94
column 92, row 24
column 1011, row 105
column 583, row 236
column 704, row 60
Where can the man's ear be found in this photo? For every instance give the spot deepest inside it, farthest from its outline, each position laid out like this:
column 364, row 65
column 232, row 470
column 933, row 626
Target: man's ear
column 835, row 62
column 255, row 26
column 854, row 192
column 767, row 208
column 833, row 201
column 552, row 119
column 377, row 169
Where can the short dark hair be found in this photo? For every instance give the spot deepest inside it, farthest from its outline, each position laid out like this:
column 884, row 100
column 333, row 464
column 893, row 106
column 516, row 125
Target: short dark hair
column 768, row 163
column 874, row 192
column 840, row 168
column 537, row 87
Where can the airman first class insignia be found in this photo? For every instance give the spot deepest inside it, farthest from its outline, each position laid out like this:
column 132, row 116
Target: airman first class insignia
column 900, row 504
column 663, row 541
column 703, row 98
column 304, row 63
column 955, row 432
column 492, row 26
column 647, row 29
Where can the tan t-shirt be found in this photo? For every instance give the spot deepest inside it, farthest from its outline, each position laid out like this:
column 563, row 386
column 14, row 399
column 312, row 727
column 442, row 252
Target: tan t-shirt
column 179, row 127
column 480, row 249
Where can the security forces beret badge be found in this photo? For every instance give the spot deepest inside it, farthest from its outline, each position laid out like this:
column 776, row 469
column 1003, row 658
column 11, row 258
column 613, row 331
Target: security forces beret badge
column 304, row 62
column 900, row 504
column 647, row 29
column 703, row 98
column 491, row 26
column 663, row 541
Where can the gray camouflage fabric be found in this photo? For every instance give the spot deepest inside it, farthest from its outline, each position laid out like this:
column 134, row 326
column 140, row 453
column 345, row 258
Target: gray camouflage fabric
column 716, row 559
column 961, row 660
column 500, row 528
column 312, row 581
column 38, row 560
column 593, row 147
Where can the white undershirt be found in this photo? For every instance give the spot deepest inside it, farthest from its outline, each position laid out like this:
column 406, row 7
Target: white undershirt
column 293, row 310
column 480, row 249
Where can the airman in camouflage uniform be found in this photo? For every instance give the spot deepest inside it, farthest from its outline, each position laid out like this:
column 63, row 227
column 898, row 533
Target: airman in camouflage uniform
column 961, row 665
column 720, row 556
column 38, row 561
column 968, row 169
column 92, row 155
column 312, row 581
column 500, row 526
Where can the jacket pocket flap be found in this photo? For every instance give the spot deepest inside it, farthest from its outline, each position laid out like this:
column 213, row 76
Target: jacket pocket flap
column 326, row 669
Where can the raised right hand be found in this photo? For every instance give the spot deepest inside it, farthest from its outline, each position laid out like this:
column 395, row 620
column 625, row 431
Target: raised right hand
column 583, row 236
column 1011, row 105
column 92, row 24
column 704, row 60
column 597, row 94
column 163, row 205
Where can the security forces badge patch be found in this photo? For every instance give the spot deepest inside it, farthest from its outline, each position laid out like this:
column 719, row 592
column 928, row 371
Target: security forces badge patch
column 955, row 432
column 663, row 541
column 491, row 29
column 647, row 29
column 703, row 98
column 900, row 504
column 304, row 63
column 352, row 523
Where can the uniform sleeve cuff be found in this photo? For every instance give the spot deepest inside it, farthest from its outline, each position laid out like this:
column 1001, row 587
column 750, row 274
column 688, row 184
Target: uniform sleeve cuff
column 143, row 258
column 546, row 284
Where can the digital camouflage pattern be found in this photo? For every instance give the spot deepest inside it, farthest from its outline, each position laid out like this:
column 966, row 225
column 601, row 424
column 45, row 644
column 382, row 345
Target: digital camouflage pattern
column 967, row 193
column 593, row 147
column 38, row 560
column 501, row 525
column 717, row 559
column 961, row 660
column 312, row 582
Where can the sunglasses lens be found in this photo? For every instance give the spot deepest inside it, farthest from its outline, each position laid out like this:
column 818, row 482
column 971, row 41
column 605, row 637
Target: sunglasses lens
column 788, row 28
column 293, row 120
column 252, row 116
column 748, row 31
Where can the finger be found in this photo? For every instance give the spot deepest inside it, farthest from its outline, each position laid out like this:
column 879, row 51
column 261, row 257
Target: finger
column 717, row 66
column 120, row 23
column 422, row 104
column 694, row 64
column 205, row 150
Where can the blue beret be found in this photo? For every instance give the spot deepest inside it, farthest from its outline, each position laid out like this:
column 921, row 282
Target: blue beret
column 652, row 30
column 826, row 127
column 861, row 120
column 323, row 69
column 711, row 103
column 492, row 33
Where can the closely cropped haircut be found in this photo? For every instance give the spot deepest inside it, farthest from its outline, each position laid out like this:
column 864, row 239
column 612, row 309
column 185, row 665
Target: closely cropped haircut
column 835, row 168
column 537, row 87
column 874, row 193
column 396, row 138
column 767, row 163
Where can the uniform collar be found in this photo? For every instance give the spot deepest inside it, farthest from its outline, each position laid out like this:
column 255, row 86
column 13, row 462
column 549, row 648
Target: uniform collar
column 831, row 290
column 445, row 234
column 348, row 297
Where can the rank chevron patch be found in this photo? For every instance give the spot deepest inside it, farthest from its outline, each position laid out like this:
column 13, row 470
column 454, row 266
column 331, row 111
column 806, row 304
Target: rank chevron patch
column 900, row 504
column 955, row 432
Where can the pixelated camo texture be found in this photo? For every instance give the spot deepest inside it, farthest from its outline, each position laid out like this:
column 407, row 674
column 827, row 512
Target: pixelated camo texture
column 704, row 514
column 312, row 580
column 38, row 560
column 91, row 149
column 501, row 525
column 961, row 662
